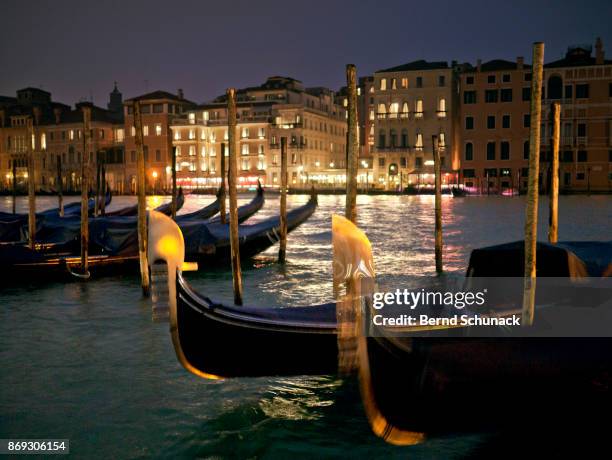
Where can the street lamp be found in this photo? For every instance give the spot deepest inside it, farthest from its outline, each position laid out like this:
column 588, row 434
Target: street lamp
column 154, row 174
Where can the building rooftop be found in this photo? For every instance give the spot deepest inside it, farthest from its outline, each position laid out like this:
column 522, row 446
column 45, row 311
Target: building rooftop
column 155, row 95
column 417, row 65
column 578, row 56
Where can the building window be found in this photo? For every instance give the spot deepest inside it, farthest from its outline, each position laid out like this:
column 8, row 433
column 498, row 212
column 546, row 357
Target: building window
column 383, row 84
column 469, row 151
column 245, row 165
column 393, row 83
column 203, row 151
column 404, row 82
column 381, row 140
column 506, row 95
column 469, row 80
column 419, row 141
column 441, row 80
column 132, row 156
column 245, row 133
column 506, row 78
column 158, row 108
column 43, row 141
column 491, row 122
column 582, row 156
column 262, row 133
column 504, row 150
column 469, row 97
column 177, row 135
column 526, row 150
column 419, row 82
column 490, row 79
column 582, row 91
column 158, row 129
column 418, row 113
column 191, row 118
column 145, row 130
column 442, row 107
column 393, row 138
column 490, row 150
column 581, row 132
column 506, row 121
column 527, row 76
column 71, row 134
column 245, row 149
column 580, row 176
column 568, row 156
column 192, row 134
column 441, row 141
column 418, row 162
column 192, row 150
column 526, row 94
column 404, row 139
column 260, row 149
column 469, row 173
column 526, row 120
column 491, row 95
column 158, row 155
column 469, row 122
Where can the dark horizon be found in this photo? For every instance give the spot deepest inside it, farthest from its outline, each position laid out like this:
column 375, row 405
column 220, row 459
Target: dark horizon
column 146, row 46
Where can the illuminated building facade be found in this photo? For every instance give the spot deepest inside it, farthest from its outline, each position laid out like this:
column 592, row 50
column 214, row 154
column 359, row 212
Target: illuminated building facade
column 412, row 103
column 32, row 122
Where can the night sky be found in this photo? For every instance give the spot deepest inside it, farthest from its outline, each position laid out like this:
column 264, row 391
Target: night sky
column 76, row 49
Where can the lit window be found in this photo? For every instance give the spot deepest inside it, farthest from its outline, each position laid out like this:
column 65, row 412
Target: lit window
column 203, row 166
column 205, row 115
column 260, row 149
column 245, row 165
column 225, row 135
column 192, row 134
column 145, row 130
column 245, row 149
column 192, row 118
column 120, row 135
column 213, row 137
column 245, row 133
column 178, row 151
column 177, row 135
column 71, row 134
column 158, row 129
column 404, row 82
column 419, row 108
column 262, row 133
column 261, row 164
column 371, row 114
column 442, row 107
column 203, row 150
column 393, row 83
column 383, row 84
column 419, row 141
column 192, row 150
column 393, row 109
column 213, row 166
column 202, row 135
column 43, row 141
column 382, row 111
column 441, row 141
column 405, row 110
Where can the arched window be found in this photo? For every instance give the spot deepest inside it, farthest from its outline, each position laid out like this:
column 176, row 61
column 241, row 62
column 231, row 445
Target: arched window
column 382, row 111
column 381, row 139
column 555, row 87
column 442, row 107
column 405, row 110
column 393, row 138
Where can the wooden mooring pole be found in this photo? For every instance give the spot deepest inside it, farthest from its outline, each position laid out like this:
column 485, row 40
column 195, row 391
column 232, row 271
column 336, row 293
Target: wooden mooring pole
column 352, row 145
column 98, row 184
column 282, row 251
column 173, row 182
column 142, row 202
column 14, row 185
column 233, row 199
column 531, row 213
column 84, row 189
column 553, row 217
column 104, row 186
column 222, row 194
column 60, row 197
column 31, row 187
column 438, row 203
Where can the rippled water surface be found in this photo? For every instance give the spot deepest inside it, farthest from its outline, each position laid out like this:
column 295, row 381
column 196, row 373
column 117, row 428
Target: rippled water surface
column 84, row 361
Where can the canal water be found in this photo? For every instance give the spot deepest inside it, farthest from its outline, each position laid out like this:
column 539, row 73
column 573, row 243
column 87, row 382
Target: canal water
column 84, row 361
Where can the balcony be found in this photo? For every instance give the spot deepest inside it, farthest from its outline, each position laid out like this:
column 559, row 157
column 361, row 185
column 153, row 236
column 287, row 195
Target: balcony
column 581, row 140
column 287, row 125
column 567, row 140
column 418, row 115
column 441, row 113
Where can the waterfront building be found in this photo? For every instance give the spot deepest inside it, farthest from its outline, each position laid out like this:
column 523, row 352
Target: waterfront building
column 158, row 110
column 50, row 130
column 495, row 121
column 310, row 118
column 412, row 103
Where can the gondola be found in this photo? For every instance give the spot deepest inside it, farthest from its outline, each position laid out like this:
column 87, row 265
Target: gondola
column 165, row 208
column 14, row 227
column 244, row 212
column 412, row 386
column 113, row 244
